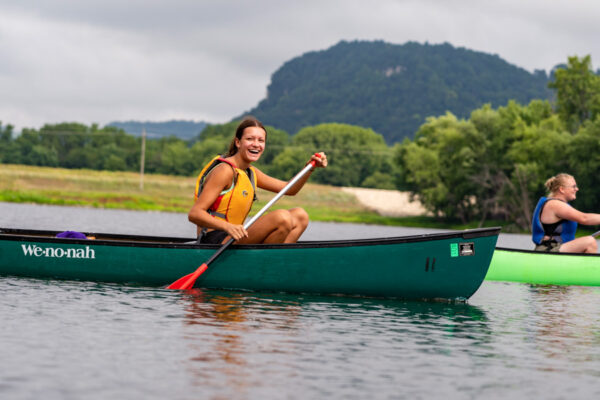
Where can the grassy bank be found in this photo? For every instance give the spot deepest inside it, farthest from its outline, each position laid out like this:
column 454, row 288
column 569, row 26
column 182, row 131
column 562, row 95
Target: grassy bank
column 107, row 189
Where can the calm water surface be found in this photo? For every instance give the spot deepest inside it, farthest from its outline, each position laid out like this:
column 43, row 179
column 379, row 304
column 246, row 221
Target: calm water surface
column 76, row 340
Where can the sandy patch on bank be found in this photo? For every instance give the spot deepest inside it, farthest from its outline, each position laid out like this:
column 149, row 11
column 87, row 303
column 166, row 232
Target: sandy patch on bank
column 389, row 203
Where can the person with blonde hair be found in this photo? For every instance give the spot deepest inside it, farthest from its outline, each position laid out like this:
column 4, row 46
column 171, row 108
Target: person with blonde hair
column 555, row 221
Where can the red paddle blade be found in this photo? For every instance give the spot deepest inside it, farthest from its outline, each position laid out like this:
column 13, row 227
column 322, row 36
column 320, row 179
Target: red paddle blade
column 179, row 282
column 188, row 281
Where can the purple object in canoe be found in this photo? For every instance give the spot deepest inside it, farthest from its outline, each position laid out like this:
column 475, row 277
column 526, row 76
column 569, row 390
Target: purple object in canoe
column 71, row 235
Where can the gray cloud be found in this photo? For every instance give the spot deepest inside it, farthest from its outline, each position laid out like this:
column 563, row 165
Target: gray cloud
column 97, row 61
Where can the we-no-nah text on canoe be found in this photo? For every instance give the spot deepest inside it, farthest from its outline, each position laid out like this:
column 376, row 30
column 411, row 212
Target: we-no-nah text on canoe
column 58, row 252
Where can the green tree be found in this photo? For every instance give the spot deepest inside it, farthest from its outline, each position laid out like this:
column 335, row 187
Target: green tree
column 539, row 154
column 505, row 188
column 110, row 157
column 24, row 144
column 43, row 156
column 277, row 141
column 203, row 151
column 82, row 157
column 63, row 138
column 439, row 165
column 583, row 155
column 6, row 143
column 289, row 162
column 577, row 91
column 154, row 153
column 6, row 133
column 490, row 166
column 380, row 180
column 354, row 153
column 177, row 159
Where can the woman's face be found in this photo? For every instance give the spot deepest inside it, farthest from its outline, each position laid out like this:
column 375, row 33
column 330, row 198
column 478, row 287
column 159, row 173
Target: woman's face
column 570, row 189
column 252, row 143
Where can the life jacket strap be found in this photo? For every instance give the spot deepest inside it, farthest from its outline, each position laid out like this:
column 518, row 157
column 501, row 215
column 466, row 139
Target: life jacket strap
column 217, row 214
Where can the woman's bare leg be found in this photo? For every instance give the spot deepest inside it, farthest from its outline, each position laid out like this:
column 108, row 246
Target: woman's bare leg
column 586, row 244
column 279, row 226
column 273, row 227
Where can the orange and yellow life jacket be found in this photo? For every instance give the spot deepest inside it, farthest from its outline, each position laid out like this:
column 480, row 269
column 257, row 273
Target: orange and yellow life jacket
column 233, row 204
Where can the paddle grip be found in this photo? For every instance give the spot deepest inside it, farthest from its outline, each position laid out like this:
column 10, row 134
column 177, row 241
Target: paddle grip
column 314, row 162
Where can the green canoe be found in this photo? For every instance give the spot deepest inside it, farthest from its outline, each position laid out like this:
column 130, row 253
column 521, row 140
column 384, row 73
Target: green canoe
column 544, row 268
column 433, row 266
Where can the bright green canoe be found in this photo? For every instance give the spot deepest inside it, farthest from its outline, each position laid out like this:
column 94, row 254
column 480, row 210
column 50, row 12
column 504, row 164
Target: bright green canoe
column 434, row 266
column 528, row 266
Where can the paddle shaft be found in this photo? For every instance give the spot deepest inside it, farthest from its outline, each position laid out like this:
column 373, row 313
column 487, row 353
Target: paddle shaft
column 187, row 282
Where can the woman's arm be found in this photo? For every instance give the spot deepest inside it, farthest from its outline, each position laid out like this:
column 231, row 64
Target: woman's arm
column 275, row 185
column 565, row 211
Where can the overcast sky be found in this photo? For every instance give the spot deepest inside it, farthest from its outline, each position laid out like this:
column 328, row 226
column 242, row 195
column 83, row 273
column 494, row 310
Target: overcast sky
column 210, row 60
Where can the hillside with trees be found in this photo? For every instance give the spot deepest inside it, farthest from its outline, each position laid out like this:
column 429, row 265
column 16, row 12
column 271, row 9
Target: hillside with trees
column 390, row 88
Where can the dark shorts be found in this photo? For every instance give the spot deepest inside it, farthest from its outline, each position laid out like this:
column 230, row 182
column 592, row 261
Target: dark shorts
column 548, row 247
column 213, row 237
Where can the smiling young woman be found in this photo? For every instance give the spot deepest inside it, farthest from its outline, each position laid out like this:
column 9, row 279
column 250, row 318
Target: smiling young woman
column 225, row 191
column 555, row 220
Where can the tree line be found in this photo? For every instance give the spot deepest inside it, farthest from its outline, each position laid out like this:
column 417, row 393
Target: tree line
column 359, row 156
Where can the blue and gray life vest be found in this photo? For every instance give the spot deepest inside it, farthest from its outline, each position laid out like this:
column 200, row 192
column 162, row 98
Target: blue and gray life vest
column 564, row 232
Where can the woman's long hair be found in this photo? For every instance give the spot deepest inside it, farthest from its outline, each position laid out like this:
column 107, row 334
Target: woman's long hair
column 246, row 122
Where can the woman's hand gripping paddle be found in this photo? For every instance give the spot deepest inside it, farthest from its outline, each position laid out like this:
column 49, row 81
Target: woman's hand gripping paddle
column 188, row 281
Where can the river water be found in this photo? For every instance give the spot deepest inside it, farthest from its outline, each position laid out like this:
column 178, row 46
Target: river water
column 77, row 340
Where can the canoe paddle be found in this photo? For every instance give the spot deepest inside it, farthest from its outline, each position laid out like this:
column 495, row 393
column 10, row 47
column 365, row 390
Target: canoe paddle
column 188, row 281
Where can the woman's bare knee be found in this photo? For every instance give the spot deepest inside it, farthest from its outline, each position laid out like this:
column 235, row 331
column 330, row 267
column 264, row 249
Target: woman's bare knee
column 300, row 217
column 586, row 244
column 283, row 220
column 592, row 245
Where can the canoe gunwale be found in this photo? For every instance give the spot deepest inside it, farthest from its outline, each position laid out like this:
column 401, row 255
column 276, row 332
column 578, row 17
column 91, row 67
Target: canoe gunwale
column 184, row 243
column 546, row 253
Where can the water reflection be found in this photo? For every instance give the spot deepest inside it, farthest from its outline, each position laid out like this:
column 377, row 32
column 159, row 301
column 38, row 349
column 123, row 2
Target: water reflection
column 566, row 322
column 236, row 338
column 220, row 329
